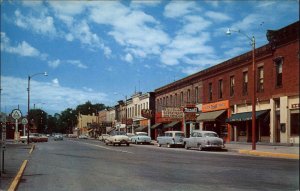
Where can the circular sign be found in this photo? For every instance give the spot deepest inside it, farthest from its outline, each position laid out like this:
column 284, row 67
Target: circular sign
column 24, row 121
column 16, row 114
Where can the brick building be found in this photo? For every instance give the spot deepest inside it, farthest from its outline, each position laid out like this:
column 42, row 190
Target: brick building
column 223, row 94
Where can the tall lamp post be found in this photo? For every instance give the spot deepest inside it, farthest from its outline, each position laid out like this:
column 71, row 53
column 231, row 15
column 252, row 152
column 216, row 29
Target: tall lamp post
column 28, row 106
column 252, row 39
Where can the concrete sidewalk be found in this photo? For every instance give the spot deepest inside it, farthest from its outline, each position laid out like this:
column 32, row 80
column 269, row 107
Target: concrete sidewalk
column 265, row 150
column 14, row 155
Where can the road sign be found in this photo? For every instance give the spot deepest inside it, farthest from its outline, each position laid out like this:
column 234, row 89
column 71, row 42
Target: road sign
column 16, row 114
column 24, row 121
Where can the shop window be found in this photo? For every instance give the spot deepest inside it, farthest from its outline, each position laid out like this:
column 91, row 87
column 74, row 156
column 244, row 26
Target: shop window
column 295, row 124
column 260, row 79
column 220, row 89
column 245, row 83
column 278, row 65
column 210, row 91
column 231, row 85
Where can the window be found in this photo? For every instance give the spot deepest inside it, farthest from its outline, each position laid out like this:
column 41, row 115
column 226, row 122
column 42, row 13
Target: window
column 210, row 91
column 295, row 124
column 175, row 100
column 171, row 100
column 231, row 85
column 260, row 80
column 196, row 95
column 220, row 89
column 278, row 65
column 245, row 83
column 167, row 101
column 181, row 98
column 188, row 96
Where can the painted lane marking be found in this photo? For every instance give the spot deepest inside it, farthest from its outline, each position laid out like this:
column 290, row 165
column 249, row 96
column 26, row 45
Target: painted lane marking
column 16, row 181
column 103, row 147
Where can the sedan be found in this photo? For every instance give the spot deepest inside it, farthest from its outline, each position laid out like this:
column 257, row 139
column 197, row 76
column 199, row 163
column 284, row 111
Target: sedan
column 141, row 137
column 203, row 140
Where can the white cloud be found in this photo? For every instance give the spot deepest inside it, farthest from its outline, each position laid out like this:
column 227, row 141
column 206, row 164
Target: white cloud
column 22, row 49
column 217, row 16
column 40, row 25
column 177, row 9
column 77, row 63
column 194, row 24
column 56, row 98
column 54, row 63
column 128, row 58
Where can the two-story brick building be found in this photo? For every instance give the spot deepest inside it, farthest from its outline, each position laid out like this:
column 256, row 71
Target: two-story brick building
column 223, row 93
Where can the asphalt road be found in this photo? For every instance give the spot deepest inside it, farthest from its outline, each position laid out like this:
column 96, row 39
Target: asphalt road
column 75, row 164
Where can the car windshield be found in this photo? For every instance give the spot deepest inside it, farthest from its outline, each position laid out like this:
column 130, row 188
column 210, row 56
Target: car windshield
column 179, row 134
column 210, row 135
column 143, row 134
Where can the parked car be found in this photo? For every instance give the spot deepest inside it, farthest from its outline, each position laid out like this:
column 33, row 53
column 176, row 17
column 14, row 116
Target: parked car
column 141, row 137
column 58, row 137
column 129, row 136
column 32, row 138
column 103, row 137
column 171, row 138
column 117, row 137
column 203, row 140
column 82, row 136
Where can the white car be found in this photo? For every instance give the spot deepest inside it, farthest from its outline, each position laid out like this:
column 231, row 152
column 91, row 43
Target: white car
column 82, row 136
column 141, row 137
column 203, row 140
column 103, row 137
column 117, row 138
column 171, row 138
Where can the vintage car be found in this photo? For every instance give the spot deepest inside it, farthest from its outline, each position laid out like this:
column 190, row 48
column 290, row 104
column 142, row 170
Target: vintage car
column 203, row 140
column 58, row 137
column 141, row 137
column 117, row 138
column 171, row 138
column 34, row 137
column 103, row 137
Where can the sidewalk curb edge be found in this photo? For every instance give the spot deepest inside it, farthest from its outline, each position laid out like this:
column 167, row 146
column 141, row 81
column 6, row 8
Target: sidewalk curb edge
column 18, row 177
column 269, row 154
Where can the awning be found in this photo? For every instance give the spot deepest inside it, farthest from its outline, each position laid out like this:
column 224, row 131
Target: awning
column 156, row 125
column 172, row 124
column 141, row 129
column 210, row 116
column 246, row 116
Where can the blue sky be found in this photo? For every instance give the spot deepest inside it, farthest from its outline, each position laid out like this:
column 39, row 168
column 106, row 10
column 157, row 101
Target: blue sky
column 103, row 50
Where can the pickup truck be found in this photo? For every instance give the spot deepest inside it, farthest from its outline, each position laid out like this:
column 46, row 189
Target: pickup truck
column 171, row 138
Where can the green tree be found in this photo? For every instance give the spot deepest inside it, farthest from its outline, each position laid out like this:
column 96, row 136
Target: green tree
column 38, row 119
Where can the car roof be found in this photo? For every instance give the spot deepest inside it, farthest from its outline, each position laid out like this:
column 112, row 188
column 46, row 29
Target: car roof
column 174, row 132
column 199, row 131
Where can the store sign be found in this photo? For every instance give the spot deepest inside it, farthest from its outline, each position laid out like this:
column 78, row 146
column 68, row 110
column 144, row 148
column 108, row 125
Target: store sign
column 172, row 112
column 190, row 110
column 215, row 106
column 147, row 113
column 295, row 106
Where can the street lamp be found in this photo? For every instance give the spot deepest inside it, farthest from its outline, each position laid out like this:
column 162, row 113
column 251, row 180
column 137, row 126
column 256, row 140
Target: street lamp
column 28, row 106
column 254, row 84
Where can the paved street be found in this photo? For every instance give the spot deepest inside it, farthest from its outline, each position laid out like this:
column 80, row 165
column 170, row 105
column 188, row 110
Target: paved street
column 75, row 164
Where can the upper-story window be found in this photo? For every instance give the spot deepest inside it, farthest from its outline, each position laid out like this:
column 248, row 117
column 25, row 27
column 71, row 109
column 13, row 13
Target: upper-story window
column 188, row 96
column 181, row 98
column 167, row 101
column 278, row 65
column 210, row 91
column 171, row 100
column 260, row 79
column 231, row 85
column 220, row 89
column 245, row 83
column 196, row 95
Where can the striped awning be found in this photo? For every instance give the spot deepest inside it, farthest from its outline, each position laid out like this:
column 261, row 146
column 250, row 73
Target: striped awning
column 246, row 116
column 210, row 116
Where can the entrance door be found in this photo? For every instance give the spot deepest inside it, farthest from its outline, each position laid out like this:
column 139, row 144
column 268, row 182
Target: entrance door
column 277, row 129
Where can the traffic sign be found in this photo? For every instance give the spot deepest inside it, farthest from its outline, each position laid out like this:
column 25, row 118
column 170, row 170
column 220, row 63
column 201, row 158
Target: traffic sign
column 16, row 114
column 24, row 121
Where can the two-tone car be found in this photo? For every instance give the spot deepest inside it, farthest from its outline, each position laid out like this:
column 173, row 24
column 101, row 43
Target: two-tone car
column 117, row 138
column 141, row 137
column 170, row 139
column 203, row 140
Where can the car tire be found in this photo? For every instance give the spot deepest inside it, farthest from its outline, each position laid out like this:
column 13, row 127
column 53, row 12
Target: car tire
column 186, row 147
column 200, row 148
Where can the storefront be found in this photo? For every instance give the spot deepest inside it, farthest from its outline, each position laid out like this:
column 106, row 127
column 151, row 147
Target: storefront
column 242, row 126
column 213, row 118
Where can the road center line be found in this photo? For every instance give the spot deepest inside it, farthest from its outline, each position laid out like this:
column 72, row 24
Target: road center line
column 103, row 147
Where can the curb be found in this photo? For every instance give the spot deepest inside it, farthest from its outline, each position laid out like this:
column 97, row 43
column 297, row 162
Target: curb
column 269, row 154
column 15, row 183
column 32, row 148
